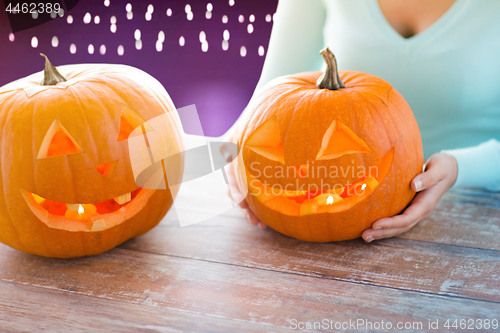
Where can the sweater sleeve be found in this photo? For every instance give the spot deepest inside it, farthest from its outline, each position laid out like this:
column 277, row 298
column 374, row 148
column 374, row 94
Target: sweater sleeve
column 296, row 39
column 478, row 166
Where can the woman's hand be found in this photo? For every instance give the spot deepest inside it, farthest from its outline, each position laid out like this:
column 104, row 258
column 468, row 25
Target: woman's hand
column 439, row 175
column 235, row 193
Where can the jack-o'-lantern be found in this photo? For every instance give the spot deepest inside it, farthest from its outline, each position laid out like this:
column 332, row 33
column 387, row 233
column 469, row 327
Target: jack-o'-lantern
column 324, row 156
column 66, row 184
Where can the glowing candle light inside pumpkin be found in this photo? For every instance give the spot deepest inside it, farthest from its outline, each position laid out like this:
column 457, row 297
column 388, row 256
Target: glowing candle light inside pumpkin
column 329, row 201
column 80, row 210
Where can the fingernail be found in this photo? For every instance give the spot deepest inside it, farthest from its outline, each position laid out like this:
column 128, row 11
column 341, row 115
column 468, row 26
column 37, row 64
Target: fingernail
column 246, row 213
column 369, row 239
column 418, row 185
column 377, row 227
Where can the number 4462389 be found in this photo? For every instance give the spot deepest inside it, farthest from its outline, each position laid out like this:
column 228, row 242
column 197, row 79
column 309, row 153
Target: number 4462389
column 33, row 7
column 471, row 324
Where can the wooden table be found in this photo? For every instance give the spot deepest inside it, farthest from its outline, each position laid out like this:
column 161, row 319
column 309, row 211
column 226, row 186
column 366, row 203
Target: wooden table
column 226, row 275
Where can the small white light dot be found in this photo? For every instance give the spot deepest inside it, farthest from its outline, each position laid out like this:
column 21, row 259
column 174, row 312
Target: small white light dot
column 91, row 49
column 61, row 12
column 261, row 50
column 137, row 34
column 363, row 187
column 204, row 46
column 203, row 36
column 231, row 2
column 182, row 41
column 72, row 49
column 241, row 18
column 243, row 51
column 34, row 42
column 87, row 18
column 208, row 15
column 159, row 46
column 225, row 45
column 112, row 19
column 120, row 50
column 106, row 3
column 34, row 15
column 130, row 15
column 226, row 34
column 53, row 15
column 268, row 18
column 128, row 7
column 138, row 44
column 187, row 8
column 148, row 16
column 12, row 37
column 69, row 19
column 102, row 49
column 151, row 8
column 112, row 28
column 161, row 36
column 252, row 18
column 190, row 16
column 169, row 12
column 97, row 19
column 224, row 19
column 250, row 28
column 55, row 41
column 210, row 7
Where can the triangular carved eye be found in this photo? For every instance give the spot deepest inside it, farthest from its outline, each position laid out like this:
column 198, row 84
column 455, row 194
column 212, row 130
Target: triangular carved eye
column 58, row 142
column 340, row 140
column 129, row 121
column 266, row 141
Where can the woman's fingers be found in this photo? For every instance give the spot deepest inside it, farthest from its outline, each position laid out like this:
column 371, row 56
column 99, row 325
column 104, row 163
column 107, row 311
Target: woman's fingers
column 250, row 216
column 262, row 225
column 439, row 167
column 235, row 193
column 427, row 179
column 421, row 207
column 380, row 234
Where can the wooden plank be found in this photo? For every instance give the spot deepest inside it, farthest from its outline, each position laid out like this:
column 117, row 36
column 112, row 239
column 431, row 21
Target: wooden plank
column 460, row 223
column 30, row 309
column 474, row 196
column 247, row 295
column 465, row 217
column 396, row 263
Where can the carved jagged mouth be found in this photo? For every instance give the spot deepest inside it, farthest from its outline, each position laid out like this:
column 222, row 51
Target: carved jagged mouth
column 300, row 203
column 87, row 217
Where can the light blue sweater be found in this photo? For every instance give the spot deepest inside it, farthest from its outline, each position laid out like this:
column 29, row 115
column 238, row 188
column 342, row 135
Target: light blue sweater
column 449, row 73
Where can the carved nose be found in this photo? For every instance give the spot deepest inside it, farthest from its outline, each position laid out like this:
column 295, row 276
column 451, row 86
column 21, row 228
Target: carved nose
column 106, row 169
column 302, row 170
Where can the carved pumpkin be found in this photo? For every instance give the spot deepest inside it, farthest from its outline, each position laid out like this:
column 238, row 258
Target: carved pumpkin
column 323, row 161
column 66, row 184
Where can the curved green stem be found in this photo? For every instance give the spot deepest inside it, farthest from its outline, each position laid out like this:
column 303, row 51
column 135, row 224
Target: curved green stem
column 51, row 75
column 330, row 79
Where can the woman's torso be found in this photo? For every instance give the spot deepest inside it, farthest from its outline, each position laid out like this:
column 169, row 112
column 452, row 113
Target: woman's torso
column 449, row 73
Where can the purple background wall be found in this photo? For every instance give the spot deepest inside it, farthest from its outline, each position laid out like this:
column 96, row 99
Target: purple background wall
column 219, row 82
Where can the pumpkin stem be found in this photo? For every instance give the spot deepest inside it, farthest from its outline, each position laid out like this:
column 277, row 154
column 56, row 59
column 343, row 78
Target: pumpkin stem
column 51, row 75
column 330, row 79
